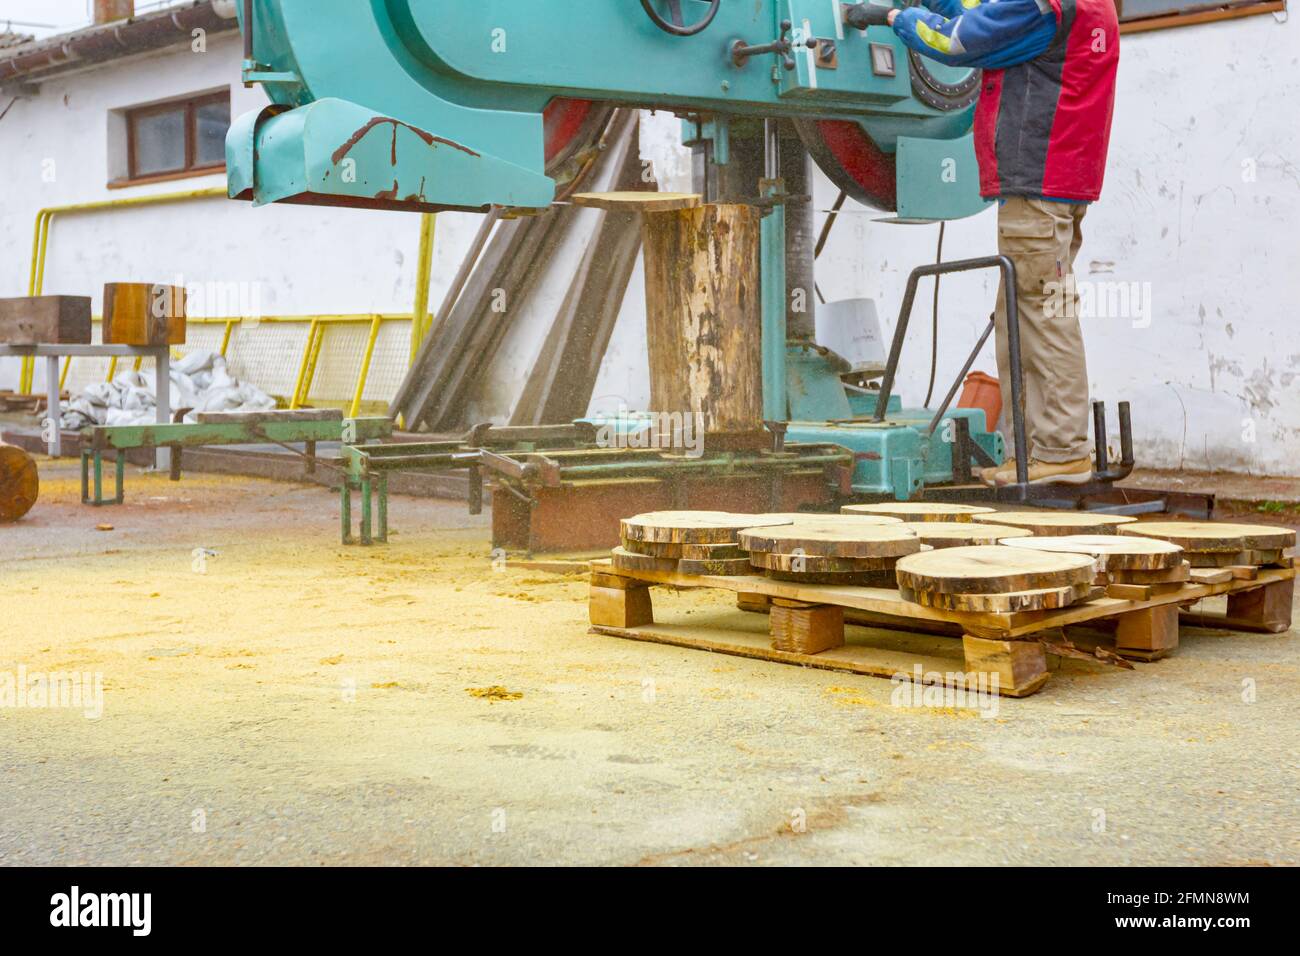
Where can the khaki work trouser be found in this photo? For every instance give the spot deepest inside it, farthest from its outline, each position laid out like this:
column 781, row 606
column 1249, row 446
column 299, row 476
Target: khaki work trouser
column 1042, row 238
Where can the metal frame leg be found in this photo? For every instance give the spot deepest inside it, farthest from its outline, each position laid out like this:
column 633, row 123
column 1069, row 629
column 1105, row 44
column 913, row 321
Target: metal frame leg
column 1013, row 347
column 345, row 511
column 367, row 528
column 85, row 477
column 383, row 509
column 121, row 477
column 53, row 413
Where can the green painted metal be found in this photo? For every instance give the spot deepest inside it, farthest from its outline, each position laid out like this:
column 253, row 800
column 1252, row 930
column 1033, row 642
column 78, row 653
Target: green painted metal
column 937, row 179
column 422, row 104
column 122, row 438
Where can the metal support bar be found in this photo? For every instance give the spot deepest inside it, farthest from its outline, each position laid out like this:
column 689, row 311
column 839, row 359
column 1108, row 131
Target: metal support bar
column 961, row 377
column 1013, row 347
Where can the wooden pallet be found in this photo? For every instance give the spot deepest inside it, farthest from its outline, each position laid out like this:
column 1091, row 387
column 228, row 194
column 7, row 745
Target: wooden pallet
column 807, row 624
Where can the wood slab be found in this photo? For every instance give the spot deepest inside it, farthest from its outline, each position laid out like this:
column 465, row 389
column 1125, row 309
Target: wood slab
column 993, row 569
column 1117, row 552
column 1044, row 599
column 638, row 201
column 1228, row 559
column 962, row 534
column 691, row 527
column 45, row 320
column 918, row 510
column 1215, row 535
column 817, row 564
column 720, row 566
column 832, row 520
column 626, row 560
column 1057, row 523
column 851, row 541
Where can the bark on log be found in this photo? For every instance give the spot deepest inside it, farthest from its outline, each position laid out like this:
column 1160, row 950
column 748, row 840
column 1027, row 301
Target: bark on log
column 703, row 315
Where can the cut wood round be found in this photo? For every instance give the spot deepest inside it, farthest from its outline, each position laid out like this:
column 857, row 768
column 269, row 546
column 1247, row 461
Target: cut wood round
column 961, row 534
column 818, row 564
column 1041, row 599
column 654, row 549
column 691, row 527
column 1118, row 552
column 1232, row 559
column 993, row 569
column 638, row 201
column 725, row 567
column 625, row 560
column 805, row 518
column 1215, row 536
column 856, row 579
column 854, row 541
column 1057, row 523
column 20, row 484
column 709, row 552
column 918, row 510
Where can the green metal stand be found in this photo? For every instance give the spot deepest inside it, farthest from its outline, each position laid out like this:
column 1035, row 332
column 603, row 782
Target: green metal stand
column 98, row 501
column 374, row 505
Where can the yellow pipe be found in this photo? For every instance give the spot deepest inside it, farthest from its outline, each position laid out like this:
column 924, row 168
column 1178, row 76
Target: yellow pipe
column 41, row 239
column 311, row 368
column 365, row 366
column 302, row 367
column 420, row 318
column 112, row 368
column 225, row 339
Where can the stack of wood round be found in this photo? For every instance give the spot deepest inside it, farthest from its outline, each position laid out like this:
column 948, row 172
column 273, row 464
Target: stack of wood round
column 19, row 483
column 996, row 579
column 842, row 550
column 1213, row 544
column 1121, row 559
column 688, row 542
column 918, row 510
column 1049, row 524
column 962, row 534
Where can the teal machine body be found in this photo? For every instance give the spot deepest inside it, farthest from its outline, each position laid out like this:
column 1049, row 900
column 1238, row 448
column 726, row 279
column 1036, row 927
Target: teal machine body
column 426, row 105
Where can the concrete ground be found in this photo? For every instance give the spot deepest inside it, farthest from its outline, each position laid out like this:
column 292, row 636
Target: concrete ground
column 271, row 697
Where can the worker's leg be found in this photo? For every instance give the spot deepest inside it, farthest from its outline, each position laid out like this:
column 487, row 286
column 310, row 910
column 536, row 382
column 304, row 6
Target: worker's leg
column 1042, row 238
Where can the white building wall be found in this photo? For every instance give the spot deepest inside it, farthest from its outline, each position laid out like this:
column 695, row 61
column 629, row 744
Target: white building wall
column 1201, row 211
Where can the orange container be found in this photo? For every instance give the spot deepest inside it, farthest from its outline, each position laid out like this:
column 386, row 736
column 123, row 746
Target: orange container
column 983, row 391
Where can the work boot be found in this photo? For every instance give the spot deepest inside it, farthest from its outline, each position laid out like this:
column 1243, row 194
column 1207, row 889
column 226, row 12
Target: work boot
column 989, row 475
column 1077, row 472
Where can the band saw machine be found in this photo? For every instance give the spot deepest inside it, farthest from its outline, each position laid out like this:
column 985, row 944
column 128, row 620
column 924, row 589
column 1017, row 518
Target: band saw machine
column 429, row 105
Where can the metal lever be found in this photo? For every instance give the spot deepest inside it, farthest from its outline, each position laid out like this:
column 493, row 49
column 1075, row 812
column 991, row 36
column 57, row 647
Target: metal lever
column 741, row 51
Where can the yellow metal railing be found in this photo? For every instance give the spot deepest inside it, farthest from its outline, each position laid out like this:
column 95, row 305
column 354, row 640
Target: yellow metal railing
column 420, row 320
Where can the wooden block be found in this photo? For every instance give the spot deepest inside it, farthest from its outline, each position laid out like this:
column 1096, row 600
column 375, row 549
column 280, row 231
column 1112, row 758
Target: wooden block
column 638, row 201
column 710, row 552
column 1150, row 629
column 45, row 320
column 806, row 630
column 752, row 602
column 1267, row 608
column 619, row 607
column 625, row 560
column 1243, row 572
column 143, row 314
column 1123, row 591
column 1020, row 667
column 1210, row 576
column 606, row 579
